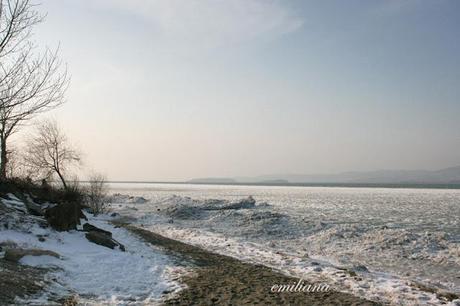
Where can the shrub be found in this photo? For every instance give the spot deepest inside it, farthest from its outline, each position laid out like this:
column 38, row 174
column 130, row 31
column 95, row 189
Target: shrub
column 42, row 192
column 96, row 194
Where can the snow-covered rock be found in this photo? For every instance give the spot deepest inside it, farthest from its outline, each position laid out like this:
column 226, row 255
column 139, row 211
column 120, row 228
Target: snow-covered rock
column 15, row 254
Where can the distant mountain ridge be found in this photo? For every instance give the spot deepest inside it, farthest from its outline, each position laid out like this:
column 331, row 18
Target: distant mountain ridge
column 212, row 180
column 443, row 176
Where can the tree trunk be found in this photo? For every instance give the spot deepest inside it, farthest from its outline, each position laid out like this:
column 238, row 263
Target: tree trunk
column 3, row 158
column 62, row 179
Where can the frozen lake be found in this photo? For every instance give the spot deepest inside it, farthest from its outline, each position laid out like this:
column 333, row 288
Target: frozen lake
column 402, row 236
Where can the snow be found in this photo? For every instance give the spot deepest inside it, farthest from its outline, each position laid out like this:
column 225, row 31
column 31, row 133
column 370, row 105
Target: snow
column 96, row 273
column 14, row 202
column 401, row 236
column 39, row 261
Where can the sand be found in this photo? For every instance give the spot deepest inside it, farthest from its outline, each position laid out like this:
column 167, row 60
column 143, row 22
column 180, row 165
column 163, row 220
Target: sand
column 223, row 280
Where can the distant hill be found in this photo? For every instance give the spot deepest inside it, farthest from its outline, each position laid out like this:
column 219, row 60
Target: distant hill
column 443, row 176
column 274, row 182
column 212, row 180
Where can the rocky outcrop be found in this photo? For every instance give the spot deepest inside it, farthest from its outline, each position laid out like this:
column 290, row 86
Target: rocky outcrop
column 64, row 217
column 16, row 254
column 104, row 240
column 91, row 228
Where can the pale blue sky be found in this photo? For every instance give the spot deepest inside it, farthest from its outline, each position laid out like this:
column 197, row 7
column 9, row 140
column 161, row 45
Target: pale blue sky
column 175, row 89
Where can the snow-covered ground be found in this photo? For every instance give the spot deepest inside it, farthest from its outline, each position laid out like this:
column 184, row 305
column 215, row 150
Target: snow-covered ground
column 393, row 239
column 98, row 275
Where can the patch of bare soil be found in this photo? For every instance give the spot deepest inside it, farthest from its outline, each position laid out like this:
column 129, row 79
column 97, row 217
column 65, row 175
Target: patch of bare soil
column 19, row 281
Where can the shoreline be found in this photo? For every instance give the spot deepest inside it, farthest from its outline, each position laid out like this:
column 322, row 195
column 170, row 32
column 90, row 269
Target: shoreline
column 224, row 280
column 435, row 186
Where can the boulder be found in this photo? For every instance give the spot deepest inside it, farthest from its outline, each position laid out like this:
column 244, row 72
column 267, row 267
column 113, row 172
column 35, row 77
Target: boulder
column 8, row 245
column 34, row 208
column 82, row 215
column 64, row 217
column 104, row 240
column 16, row 254
column 91, row 228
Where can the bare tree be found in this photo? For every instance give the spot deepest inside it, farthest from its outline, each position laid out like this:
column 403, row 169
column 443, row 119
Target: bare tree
column 49, row 152
column 31, row 82
column 15, row 167
column 97, row 194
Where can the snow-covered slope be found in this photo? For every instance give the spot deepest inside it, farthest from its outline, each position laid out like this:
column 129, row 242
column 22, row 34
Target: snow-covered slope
column 94, row 273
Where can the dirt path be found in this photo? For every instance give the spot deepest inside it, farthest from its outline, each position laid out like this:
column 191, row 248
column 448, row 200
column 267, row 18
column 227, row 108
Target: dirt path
column 223, row 280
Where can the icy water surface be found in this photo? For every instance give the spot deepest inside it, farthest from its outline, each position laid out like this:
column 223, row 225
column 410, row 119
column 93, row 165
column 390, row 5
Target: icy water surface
column 392, row 238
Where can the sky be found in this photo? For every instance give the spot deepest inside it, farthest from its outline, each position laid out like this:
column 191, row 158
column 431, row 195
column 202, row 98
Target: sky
column 178, row 89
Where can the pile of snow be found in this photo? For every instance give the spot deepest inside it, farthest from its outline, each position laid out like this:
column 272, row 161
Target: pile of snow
column 241, row 218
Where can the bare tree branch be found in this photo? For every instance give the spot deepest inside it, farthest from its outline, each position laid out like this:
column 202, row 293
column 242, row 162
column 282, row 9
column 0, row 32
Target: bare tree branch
column 31, row 82
column 49, row 152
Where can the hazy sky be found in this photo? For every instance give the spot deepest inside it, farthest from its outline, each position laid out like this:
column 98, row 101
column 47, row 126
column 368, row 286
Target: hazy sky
column 175, row 89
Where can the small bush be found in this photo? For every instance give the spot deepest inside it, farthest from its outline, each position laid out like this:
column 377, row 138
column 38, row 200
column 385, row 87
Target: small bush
column 96, row 194
column 42, row 192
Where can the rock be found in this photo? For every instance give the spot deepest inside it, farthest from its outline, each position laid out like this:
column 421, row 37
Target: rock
column 8, row 245
column 82, row 216
column 64, row 217
column 34, row 208
column 104, row 240
column 91, row 228
column 16, row 254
